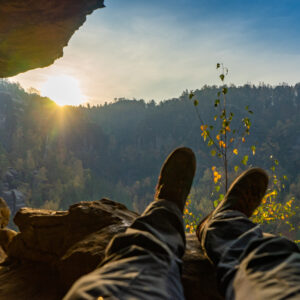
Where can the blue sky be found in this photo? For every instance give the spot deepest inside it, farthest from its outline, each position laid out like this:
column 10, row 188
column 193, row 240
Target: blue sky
column 156, row 49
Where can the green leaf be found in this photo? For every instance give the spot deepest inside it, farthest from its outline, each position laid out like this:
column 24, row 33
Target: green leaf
column 217, row 188
column 245, row 160
column 213, row 152
column 247, row 107
column 236, row 168
column 222, row 77
column 250, row 112
column 216, row 202
column 219, row 94
column 210, row 143
column 196, row 102
column 221, row 196
column 211, row 127
column 273, row 168
column 253, row 148
column 217, row 102
column 191, row 95
column 276, row 162
column 218, row 65
column 224, row 91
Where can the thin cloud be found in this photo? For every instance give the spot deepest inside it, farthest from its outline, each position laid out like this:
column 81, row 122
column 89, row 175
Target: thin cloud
column 156, row 54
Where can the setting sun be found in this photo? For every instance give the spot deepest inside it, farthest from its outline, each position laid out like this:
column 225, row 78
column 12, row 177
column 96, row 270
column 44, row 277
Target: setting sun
column 64, row 90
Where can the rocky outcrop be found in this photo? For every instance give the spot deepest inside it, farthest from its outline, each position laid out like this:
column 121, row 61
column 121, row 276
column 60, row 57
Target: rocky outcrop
column 4, row 213
column 33, row 33
column 6, row 237
column 9, row 192
column 54, row 248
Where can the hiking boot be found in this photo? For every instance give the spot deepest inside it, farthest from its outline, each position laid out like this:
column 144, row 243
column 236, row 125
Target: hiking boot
column 176, row 177
column 244, row 195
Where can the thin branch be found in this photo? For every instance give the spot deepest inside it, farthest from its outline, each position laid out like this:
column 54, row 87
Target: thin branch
column 219, row 149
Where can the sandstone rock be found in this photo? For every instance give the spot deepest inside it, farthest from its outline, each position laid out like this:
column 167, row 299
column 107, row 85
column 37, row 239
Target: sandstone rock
column 47, row 235
column 6, row 236
column 4, row 213
column 59, row 247
column 8, row 197
column 11, row 175
column 29, row 281
column 33, row 33
column 3, row 256
column 198, row 274
column 14, row 199
column 19, row 199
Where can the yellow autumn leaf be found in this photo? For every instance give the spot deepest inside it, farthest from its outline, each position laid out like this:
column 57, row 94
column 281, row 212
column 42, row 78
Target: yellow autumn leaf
column 235, row 151
column 243, row 140
column 218, row 137
column 222, row 144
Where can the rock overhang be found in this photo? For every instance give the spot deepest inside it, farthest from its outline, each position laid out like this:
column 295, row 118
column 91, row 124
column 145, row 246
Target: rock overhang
column 33, row 33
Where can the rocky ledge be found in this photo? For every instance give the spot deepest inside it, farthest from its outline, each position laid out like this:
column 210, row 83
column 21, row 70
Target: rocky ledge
column 54, row 248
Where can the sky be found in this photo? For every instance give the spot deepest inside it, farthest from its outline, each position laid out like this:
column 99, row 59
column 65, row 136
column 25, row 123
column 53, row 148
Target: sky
column 157, row 49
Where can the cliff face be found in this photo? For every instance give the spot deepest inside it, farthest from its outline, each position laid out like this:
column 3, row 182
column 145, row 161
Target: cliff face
column 54, row 248
column 34, row 33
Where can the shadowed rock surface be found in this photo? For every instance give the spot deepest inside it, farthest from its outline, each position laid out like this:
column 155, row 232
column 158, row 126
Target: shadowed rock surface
column 33, row 33
column 54, row 248
column 8, row 189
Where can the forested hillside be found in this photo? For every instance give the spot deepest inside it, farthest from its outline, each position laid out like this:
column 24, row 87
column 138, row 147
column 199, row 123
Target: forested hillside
column 62, row 155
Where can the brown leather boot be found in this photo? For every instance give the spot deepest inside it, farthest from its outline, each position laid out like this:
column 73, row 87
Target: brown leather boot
column 244, row 195
column 176, row 177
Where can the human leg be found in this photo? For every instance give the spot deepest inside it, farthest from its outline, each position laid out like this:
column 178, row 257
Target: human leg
column 249, row 264
column 145, row 261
